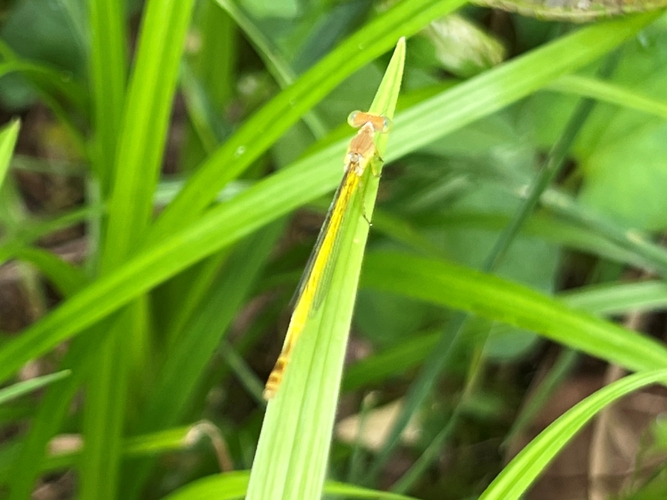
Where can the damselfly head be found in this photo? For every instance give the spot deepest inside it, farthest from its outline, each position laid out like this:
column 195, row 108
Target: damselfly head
column 380, row 123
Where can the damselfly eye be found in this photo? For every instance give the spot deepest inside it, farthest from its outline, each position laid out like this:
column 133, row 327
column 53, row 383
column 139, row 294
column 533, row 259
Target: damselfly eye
column 353, row 119
column 387, row 125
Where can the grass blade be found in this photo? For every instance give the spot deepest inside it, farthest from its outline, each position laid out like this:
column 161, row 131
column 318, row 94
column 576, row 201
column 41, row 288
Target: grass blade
column 8, row 137
column 515, row 479
column 610, row 93
column 16, row 390
column 497, row 299
column 108, row 77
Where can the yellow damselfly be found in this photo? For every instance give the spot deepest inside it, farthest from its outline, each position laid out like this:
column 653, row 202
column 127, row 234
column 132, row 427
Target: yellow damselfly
column 360, row 153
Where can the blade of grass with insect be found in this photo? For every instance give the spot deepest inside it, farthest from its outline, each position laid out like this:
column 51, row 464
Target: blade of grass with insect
column 294, row 444
column 360, row 154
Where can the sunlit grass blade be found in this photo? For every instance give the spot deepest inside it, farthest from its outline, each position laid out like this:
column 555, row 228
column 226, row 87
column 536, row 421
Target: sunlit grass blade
column 294, row 444
column 608, row 299
column 619, row 298
column 515, row 479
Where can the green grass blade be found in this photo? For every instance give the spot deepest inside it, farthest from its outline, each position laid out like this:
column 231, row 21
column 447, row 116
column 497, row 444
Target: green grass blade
column 27, row 465
column 275, row 62
column 48, row 81
column 651, row 254
column 497, row 299
column 35, row 229
column 8, row 137
column 294, row 443
column 277, row 65
column 548, row 228
column 208, row 82
column 453, row 338
column 610, row 93
column 618, row 298
column 44, row 77
column 562, row 368
column 143, row 134
column 607, row 299
column 16, row 390
column 67, row 278
column 155, row 443
column 107, row 75
column 52, row 410
column 515, row 479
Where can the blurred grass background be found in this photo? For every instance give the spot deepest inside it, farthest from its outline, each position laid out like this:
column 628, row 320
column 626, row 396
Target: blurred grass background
column 170, row 171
